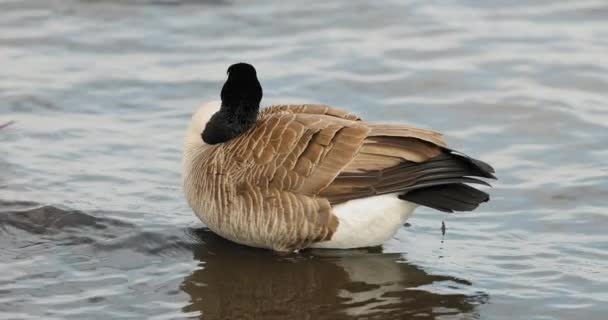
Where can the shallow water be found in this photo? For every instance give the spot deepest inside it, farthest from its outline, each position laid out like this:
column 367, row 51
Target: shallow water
column 93, row 224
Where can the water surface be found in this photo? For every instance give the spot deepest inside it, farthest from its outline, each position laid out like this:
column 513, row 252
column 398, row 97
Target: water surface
column 93, row 224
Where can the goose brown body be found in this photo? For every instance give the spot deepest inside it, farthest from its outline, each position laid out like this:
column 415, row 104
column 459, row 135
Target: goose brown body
column 275, row 186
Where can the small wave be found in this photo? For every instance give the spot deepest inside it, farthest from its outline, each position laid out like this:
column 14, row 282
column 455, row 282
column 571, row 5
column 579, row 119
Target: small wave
column 25, row 222
column 47, row 219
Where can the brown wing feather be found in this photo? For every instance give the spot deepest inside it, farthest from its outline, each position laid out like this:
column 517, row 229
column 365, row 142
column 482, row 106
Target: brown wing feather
column 399, row 159
column 319, row 109
column 392, row 130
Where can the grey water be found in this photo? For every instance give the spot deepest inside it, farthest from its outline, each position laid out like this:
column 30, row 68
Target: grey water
column 93, row 224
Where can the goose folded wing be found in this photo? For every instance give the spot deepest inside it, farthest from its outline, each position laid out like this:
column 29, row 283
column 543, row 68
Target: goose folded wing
column 329, row 158
column 401, row 159
column 298, row 152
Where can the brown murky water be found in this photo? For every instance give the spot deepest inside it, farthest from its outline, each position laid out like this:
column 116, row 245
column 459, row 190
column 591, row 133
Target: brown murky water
column 93, row 224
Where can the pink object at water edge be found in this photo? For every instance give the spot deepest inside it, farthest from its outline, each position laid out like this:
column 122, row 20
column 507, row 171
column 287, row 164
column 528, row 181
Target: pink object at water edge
column 4, row 125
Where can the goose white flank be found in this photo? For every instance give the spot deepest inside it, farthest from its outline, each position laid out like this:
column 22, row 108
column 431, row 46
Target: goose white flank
column 290, row 177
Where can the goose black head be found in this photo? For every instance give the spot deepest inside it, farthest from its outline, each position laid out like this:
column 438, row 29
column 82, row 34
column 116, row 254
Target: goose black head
column 241, row 96
column 242, row 88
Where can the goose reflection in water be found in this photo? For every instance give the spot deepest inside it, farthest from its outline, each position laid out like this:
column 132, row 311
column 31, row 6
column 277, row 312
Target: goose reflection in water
column 236, row 282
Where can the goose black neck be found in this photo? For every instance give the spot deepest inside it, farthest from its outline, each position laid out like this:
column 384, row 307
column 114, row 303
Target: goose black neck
column 241, row 96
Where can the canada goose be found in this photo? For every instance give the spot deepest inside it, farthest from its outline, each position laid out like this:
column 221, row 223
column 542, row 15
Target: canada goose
column 290, row 177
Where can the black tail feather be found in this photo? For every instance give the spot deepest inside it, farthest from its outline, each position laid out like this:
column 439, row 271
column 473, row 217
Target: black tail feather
column 442, row 186
column 485, row 169
column 447, row 197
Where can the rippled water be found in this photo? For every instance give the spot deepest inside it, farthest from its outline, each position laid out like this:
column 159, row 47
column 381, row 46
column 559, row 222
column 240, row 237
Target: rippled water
column 93, row 224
